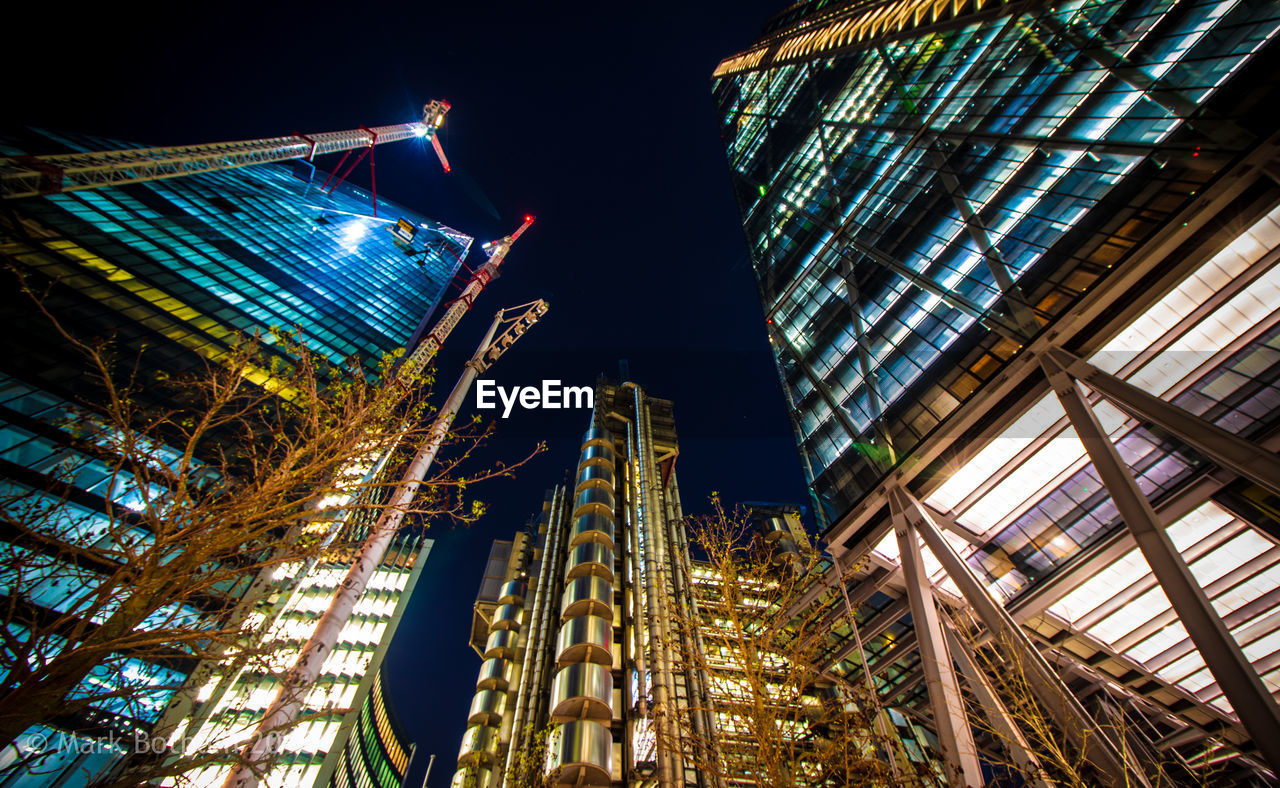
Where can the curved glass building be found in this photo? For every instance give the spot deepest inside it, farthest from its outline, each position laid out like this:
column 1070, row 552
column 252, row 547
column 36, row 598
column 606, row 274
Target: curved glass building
column 372, row 750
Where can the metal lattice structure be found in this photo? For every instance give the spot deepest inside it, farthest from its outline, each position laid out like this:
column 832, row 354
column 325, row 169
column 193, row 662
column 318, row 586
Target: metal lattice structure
column 431, row 344
column 29, row 176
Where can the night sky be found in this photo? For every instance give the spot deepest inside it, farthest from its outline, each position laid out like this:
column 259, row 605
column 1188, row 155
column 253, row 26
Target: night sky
column 598, row 120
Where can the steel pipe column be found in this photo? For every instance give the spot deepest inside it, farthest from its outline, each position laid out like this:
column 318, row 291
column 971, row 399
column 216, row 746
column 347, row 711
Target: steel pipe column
column 490, row 716
column 704, row 718
column 580, row 746
column 535, row 645
column 649, row 522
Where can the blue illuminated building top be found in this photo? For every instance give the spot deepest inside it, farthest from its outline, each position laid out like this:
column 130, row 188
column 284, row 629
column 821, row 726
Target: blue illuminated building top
column 246, row 249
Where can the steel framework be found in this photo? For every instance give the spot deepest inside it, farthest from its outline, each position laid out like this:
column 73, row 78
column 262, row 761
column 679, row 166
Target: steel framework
column 30, row 176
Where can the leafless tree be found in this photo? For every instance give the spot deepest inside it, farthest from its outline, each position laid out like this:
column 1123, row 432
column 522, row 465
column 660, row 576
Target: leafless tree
column 1043, row 741
column 776, row 718
column 159, row 502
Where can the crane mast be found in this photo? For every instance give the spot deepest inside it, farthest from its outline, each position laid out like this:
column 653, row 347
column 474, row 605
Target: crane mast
column 29, row 176
column 455, row 309
column 306, row 669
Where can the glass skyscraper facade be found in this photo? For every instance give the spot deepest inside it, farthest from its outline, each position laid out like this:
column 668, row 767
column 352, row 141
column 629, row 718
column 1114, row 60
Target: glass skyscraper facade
column 883, row 153
column 936, row 196
column 346, row 737
column 179, row 268
column 377, row 752
column 183, row 264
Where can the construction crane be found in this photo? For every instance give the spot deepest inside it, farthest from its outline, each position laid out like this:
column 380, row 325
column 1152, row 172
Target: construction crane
column 306, row 669
column 29, row 176
column 455, row 309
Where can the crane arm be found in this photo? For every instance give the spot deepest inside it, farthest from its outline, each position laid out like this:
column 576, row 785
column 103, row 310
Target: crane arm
column 27, row 176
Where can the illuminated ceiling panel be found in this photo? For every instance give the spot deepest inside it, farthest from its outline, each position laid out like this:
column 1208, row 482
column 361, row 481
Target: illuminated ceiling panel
column 1165, row 350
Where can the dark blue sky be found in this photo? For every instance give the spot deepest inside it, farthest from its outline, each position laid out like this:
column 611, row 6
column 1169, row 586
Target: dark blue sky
column 597, row 119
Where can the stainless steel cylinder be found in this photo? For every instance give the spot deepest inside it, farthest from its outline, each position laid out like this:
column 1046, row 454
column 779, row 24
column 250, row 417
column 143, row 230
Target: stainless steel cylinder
column 591, row 476
column 512, row 592
column 597, row 528
column 596, row 436
column 590, row 558
column 582, row 692
column 487, row 707
column 471, row 777
column 587, row 595
column 495, row 674
column 580, row 746
column 479, row 745
column 502, row 643
column 580, row 753
column 507, row 617
column 773, row 528
column 585, row 639
column 593, row 501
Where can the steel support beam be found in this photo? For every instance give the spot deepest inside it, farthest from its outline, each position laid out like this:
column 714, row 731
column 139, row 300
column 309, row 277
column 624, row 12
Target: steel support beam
column 992, row 320
column 864, row 360
column 1023, row 313
column 883, row 620
column 951, row 721
column 1048, row 688
column 1002, row 724
column 818, row 383
column 1160, row 91
column 1241, row 684
column 949, row 523
column 1243, row 458
column 1112, row 302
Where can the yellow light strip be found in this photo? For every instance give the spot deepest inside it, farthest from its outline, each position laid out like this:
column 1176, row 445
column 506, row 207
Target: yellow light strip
column 180, row 311
column 889, row 18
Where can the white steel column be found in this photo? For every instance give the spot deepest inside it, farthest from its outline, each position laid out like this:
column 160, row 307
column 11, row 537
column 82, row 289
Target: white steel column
column 955, row 738
column 1049, row 689
column 1004, row 727
column 1241, row 457
column 257, row 756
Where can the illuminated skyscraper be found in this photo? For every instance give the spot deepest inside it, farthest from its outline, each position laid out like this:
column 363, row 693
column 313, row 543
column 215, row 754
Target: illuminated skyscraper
column 178, row 267
column 346, row 729
column 1018, row 264
column 603, row 649
column 372, row 749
